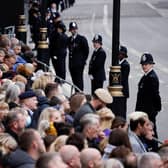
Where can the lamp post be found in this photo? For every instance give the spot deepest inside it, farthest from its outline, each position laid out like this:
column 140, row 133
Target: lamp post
column 21, row 30
column 115, row 87
column 42, row 48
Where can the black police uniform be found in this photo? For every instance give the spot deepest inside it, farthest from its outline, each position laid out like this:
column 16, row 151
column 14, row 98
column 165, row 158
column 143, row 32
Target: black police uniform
column 96, row 66
column 125, row 70
column 78, row 54
column 148, row 98
column 58, row 50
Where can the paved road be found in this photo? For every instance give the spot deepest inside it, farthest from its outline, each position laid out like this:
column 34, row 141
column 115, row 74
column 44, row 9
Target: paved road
column 143, row 28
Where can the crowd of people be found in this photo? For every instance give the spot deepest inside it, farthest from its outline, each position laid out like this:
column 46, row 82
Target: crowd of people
column 40, row 127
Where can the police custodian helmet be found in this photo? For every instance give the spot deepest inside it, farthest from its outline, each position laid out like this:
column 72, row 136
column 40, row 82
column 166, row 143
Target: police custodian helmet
column 146, row 58
column 97, row 39
column 123, row 50
column 73, row 25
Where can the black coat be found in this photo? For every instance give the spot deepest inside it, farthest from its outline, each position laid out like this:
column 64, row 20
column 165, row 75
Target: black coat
column 96, row 65
column 58, row 45
column 148, row 98
column 78, row 51
column 125, row 70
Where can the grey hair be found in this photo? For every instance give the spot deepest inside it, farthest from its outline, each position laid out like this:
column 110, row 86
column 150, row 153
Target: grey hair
column 12, row 93
column 163, row 152
column 89, row 119
column 146, row 159
column 114, row 163
column 21, row 85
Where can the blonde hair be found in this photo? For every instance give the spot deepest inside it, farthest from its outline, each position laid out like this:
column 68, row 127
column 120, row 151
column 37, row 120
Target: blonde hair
column 58, row 143
column 106, row 113
column 19, row 78
column 44, row 122
column 47, row 113
column 41, row 81
column 7, row 143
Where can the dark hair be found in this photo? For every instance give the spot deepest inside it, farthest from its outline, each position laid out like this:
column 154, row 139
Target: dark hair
column 48, row 140
column 76, row 139
column 26, row 139
column 76, row 100
column 50, row 87
column 55, row 101
column 118, row 122
column 120, row 152
column 63, row 128
column 134, row 123
column 119, row 137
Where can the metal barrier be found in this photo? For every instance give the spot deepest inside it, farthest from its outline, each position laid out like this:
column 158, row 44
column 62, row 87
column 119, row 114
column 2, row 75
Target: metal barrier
column 67, row 87
column 10, row 31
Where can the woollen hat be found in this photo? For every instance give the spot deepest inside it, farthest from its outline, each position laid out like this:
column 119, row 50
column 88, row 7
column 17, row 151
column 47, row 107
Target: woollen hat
column 103, row 95
column 27, row 94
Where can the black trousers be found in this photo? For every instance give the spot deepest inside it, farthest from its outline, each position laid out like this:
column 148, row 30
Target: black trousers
column 77, row 77
column 59, row 67
column 95, row 84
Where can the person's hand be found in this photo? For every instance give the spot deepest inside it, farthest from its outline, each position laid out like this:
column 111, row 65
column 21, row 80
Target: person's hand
column 101, row 135
column 91, row 77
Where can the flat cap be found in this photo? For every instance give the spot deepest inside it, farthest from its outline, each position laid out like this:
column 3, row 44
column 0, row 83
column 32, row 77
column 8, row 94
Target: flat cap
column 104, row 95
column 27, row 94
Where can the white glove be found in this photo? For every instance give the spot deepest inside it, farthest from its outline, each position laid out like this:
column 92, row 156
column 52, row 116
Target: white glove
column 91, row 77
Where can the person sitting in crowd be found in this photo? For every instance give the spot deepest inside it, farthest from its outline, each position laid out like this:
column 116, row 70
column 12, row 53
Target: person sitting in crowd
column 106, row 120
column 139, row 125
column 91, row 157
column 28, row 101
column 101, row 97
column 15, row 123
column 50, row 160
column 31, row 147
column 76, row 101
column 117, row 137
column 90, row 125
column 46, row 121
column 70, row 155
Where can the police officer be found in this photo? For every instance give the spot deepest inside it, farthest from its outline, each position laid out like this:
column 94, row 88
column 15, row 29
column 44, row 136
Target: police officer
column 148, row 98
column 78, row 54
column 58, row 49
column 125, row 70
column 97, row 63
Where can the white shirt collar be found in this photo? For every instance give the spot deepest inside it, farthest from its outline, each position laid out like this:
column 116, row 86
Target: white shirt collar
column 148, row 71
column 121, row 61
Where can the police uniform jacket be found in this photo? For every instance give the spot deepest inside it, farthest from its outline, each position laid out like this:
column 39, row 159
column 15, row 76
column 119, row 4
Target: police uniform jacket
column 96, row 65
column 125, row 69
column 78, row 51
column 58, row 45
column 148, row 98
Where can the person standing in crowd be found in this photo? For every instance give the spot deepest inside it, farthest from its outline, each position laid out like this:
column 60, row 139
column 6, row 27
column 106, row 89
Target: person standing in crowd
column 148, row 97
column 78, row 54
column 96, row 65
column 58, row 49
column 125, row 70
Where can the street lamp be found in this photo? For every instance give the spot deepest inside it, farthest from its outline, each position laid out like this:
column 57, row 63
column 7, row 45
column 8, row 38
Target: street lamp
column 115, row 87
column 42, row 48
